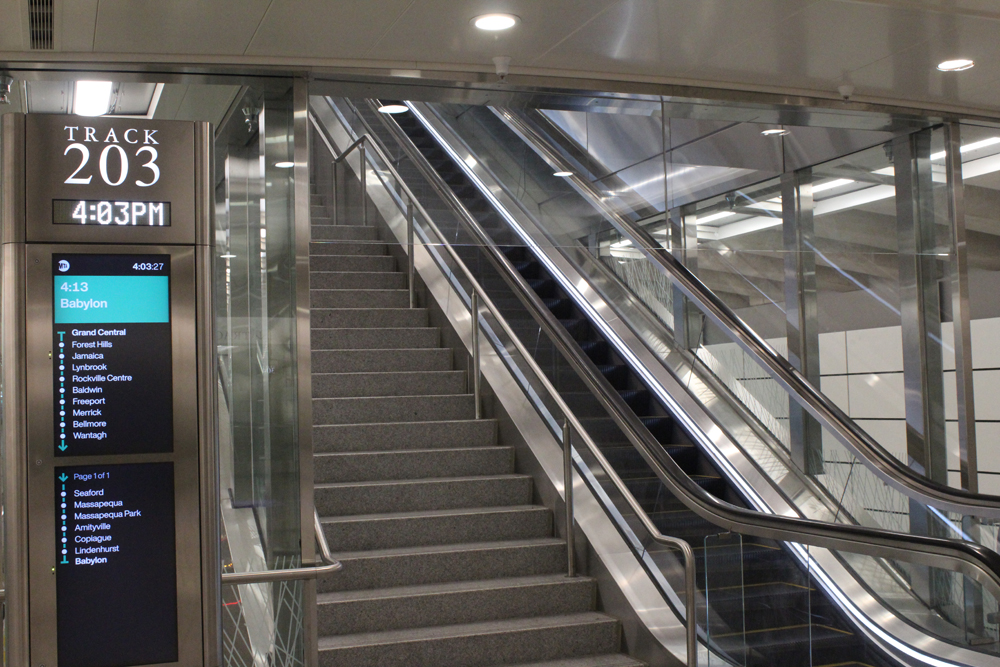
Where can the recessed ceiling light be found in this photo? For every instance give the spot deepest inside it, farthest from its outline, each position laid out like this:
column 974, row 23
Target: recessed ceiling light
column 562, row 174
column 494, row 22
column 957, row 65
column 393, row 108
column 775, row 132
column 92, row 98
column 284, row 165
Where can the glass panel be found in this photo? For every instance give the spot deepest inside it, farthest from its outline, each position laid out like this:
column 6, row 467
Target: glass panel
column 725, row 598
column 980, row 156
column 255, row 331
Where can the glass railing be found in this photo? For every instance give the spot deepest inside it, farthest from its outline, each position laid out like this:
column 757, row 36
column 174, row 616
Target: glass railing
column 844, row 491
column 255, row 300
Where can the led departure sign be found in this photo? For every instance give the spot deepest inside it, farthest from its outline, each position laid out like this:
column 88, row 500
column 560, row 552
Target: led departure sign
column 120, row 213
column 108, row 172
column 115, row 548
column 112, row 347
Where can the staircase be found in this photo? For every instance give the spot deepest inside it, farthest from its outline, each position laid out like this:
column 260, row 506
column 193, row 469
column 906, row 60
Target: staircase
column 447, row 561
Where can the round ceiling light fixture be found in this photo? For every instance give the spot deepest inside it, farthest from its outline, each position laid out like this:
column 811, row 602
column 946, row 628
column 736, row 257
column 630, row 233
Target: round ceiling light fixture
column 495, row 22
column 284, row 165
column 957, row 65
column 562, row 174
column 776, row 132
column 393, row 108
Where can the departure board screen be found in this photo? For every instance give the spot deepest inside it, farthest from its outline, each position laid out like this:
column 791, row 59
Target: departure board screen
column 112, row 380
column 116, row 579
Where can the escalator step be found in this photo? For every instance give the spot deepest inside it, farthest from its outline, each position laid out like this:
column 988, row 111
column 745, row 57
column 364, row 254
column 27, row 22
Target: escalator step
column 616, row 374
column 637, row 399
column 662, row 428
column 597, row 350
column 562, row 307
column 543, row 287
column 577, row 328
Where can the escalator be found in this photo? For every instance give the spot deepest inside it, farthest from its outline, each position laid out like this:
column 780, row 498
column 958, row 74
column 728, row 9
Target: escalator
column 758, row 604
column 780, row 625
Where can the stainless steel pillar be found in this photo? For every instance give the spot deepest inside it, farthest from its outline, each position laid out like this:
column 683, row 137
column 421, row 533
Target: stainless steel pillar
column 801, row 316
column 682, row 223
column 920, row 273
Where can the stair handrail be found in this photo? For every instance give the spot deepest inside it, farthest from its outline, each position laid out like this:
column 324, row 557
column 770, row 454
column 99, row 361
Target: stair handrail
column 329, row 566
column 871, row 453
column 675, row 543
column 973, row 560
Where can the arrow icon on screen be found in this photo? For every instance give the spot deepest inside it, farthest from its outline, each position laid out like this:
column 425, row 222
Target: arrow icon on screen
column 62, row 447
column 63, row 478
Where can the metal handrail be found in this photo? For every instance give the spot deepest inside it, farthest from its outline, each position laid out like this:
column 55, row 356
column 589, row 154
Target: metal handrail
column 973, row 560
column 875, row 457
column 658, row 537
column 330, row 565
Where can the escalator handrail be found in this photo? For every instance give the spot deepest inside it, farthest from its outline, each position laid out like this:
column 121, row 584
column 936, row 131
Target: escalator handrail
column 872, row 454
column 973, row 560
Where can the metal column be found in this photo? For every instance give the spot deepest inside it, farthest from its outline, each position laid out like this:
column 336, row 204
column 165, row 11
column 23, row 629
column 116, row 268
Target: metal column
column 920, row 274
column 960, row 315
column 802, row 325
column 684, row 246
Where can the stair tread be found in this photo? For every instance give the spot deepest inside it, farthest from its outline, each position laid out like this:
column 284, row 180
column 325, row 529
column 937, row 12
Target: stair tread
column 618, row 660
column 445, row 548
column 457, row 511
column 462, row 630
column 415, row 452
column 452, row 587
column 422, row 480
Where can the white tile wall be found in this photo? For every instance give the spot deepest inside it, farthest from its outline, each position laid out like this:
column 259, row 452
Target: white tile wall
column 986, row 343
column 891, row 434
column 833, row 353
column 878, row 395
column 875, row 350
column 988, row 446
column 989, row 484
column 835, row 389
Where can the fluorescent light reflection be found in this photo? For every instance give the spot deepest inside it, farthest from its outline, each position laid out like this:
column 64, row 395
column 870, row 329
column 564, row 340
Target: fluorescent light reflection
column 393, row 108
column 715, row 216
column 624, row 243
column 562, row 174
column 830, row 185
column 92, row 98
column 974, row 146
column 284, row 165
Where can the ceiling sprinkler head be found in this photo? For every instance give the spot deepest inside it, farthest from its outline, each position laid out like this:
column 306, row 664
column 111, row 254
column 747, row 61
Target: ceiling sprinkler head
column 503, row 67
column 5, row 83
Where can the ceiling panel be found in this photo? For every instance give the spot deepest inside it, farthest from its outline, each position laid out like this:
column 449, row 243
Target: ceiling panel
column 665, row 37
column 76, row 31
column 440, row 30
column 308, row 28
column 177, row 26
column 13, row 26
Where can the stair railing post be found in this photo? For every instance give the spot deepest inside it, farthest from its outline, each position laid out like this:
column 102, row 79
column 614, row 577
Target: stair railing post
column 334, row 190
column 409, row 246
column 476, row 382
column 568, row 492
column 364, row 183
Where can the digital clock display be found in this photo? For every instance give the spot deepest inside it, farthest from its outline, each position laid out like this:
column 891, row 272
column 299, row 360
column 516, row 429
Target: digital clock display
column 111, row 213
